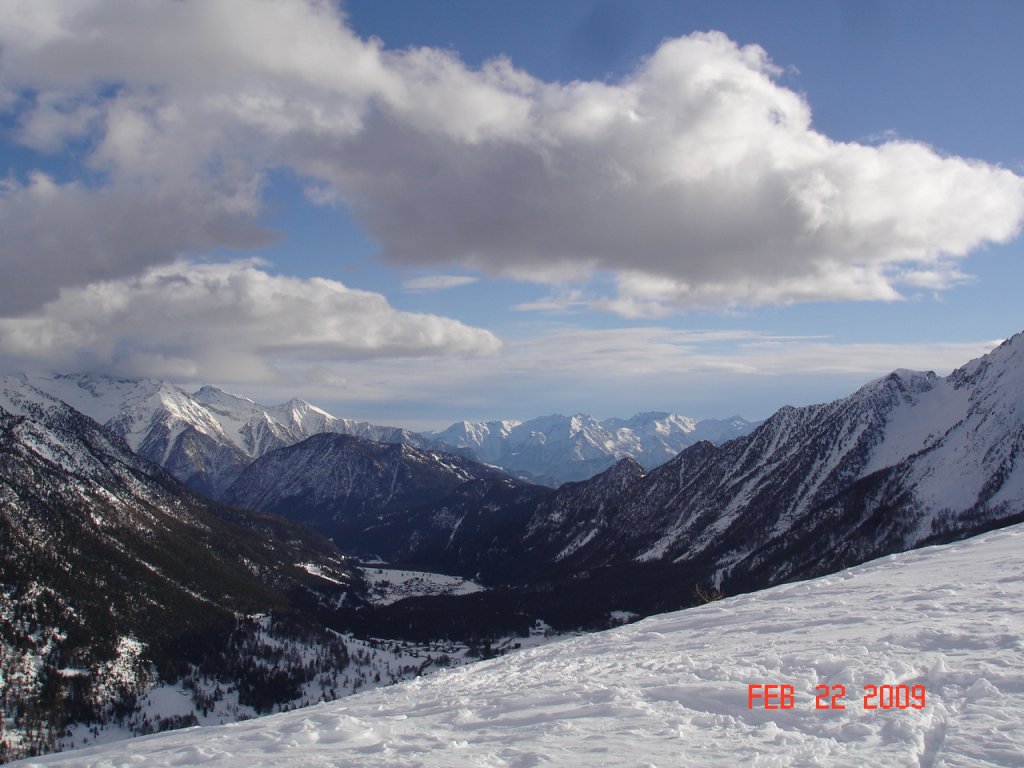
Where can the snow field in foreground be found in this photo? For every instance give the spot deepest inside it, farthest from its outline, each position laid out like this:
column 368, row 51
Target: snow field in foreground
column 672, row 690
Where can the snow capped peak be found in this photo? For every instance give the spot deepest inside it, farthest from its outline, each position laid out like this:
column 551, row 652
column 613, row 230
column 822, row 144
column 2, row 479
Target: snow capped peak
column 904, row 380
column 213, row 396
column 1004, row 362
column 554, row 449
column 484, row 438
column 301, row 417
column 103, row 397
column 901, row 386
column 204, row 438
column 652, row 423
column 581, row 422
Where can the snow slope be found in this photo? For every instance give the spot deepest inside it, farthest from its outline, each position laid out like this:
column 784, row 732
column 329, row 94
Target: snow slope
column 672, row 690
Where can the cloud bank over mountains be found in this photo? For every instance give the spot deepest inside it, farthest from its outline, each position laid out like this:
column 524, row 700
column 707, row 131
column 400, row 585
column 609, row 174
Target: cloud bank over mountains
column 226, row 322
column 696, row 181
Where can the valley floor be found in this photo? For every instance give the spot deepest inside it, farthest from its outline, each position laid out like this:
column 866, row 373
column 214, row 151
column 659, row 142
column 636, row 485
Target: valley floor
column 673, row 690
column 388, row 585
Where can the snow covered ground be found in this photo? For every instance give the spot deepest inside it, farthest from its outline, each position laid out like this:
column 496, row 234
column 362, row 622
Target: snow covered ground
column 673, row 690
column 389, row 585
column 206, row 701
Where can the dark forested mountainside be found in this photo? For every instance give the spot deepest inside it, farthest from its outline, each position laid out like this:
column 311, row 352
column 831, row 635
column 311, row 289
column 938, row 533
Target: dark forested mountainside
column 343, row 486
column 112, row 574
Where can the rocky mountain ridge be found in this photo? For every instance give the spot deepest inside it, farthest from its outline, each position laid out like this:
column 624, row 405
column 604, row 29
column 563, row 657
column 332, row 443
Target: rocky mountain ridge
column 909, row 458
column 343, row 485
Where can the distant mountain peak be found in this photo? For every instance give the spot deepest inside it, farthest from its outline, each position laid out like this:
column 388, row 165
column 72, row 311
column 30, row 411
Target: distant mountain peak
column 554, row 449
column 209, row 393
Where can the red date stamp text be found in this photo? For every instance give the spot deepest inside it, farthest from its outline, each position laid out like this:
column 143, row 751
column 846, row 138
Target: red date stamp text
column 783, row 696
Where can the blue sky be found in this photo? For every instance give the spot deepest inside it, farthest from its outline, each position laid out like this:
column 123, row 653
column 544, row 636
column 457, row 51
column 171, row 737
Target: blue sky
column 418, row 212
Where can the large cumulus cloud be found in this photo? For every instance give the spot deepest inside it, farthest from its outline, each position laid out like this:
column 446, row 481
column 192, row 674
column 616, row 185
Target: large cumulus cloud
column 230, row 321
column 697, row 180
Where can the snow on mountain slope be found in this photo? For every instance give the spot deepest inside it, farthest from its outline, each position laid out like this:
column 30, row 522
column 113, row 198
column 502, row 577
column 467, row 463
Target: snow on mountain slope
column 160, row 421
column 130, row 406
column 987, row 440
column 673, row 689
column 248, row 425
column 343, row 486
column 52, row 430
column 205, row 438
column 909, row 458
column 485, row 439
column 262, row 428
column 557, row 449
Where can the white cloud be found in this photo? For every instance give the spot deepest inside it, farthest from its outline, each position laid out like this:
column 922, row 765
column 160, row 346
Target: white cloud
column 562, row 302
column 437, row 282
column 226, row 322
column 68, row 234
column 644, row 353
column 698, row 180
column 617, row 372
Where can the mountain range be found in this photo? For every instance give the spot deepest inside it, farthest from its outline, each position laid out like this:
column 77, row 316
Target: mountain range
column 114, row 573
column 909, row 459
column 207, row 437
column 204, row 438
column 552, row 450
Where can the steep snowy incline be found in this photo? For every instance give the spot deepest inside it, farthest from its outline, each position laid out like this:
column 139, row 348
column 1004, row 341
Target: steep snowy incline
column 988, row 442
column 673, row 690
column 160, row 422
